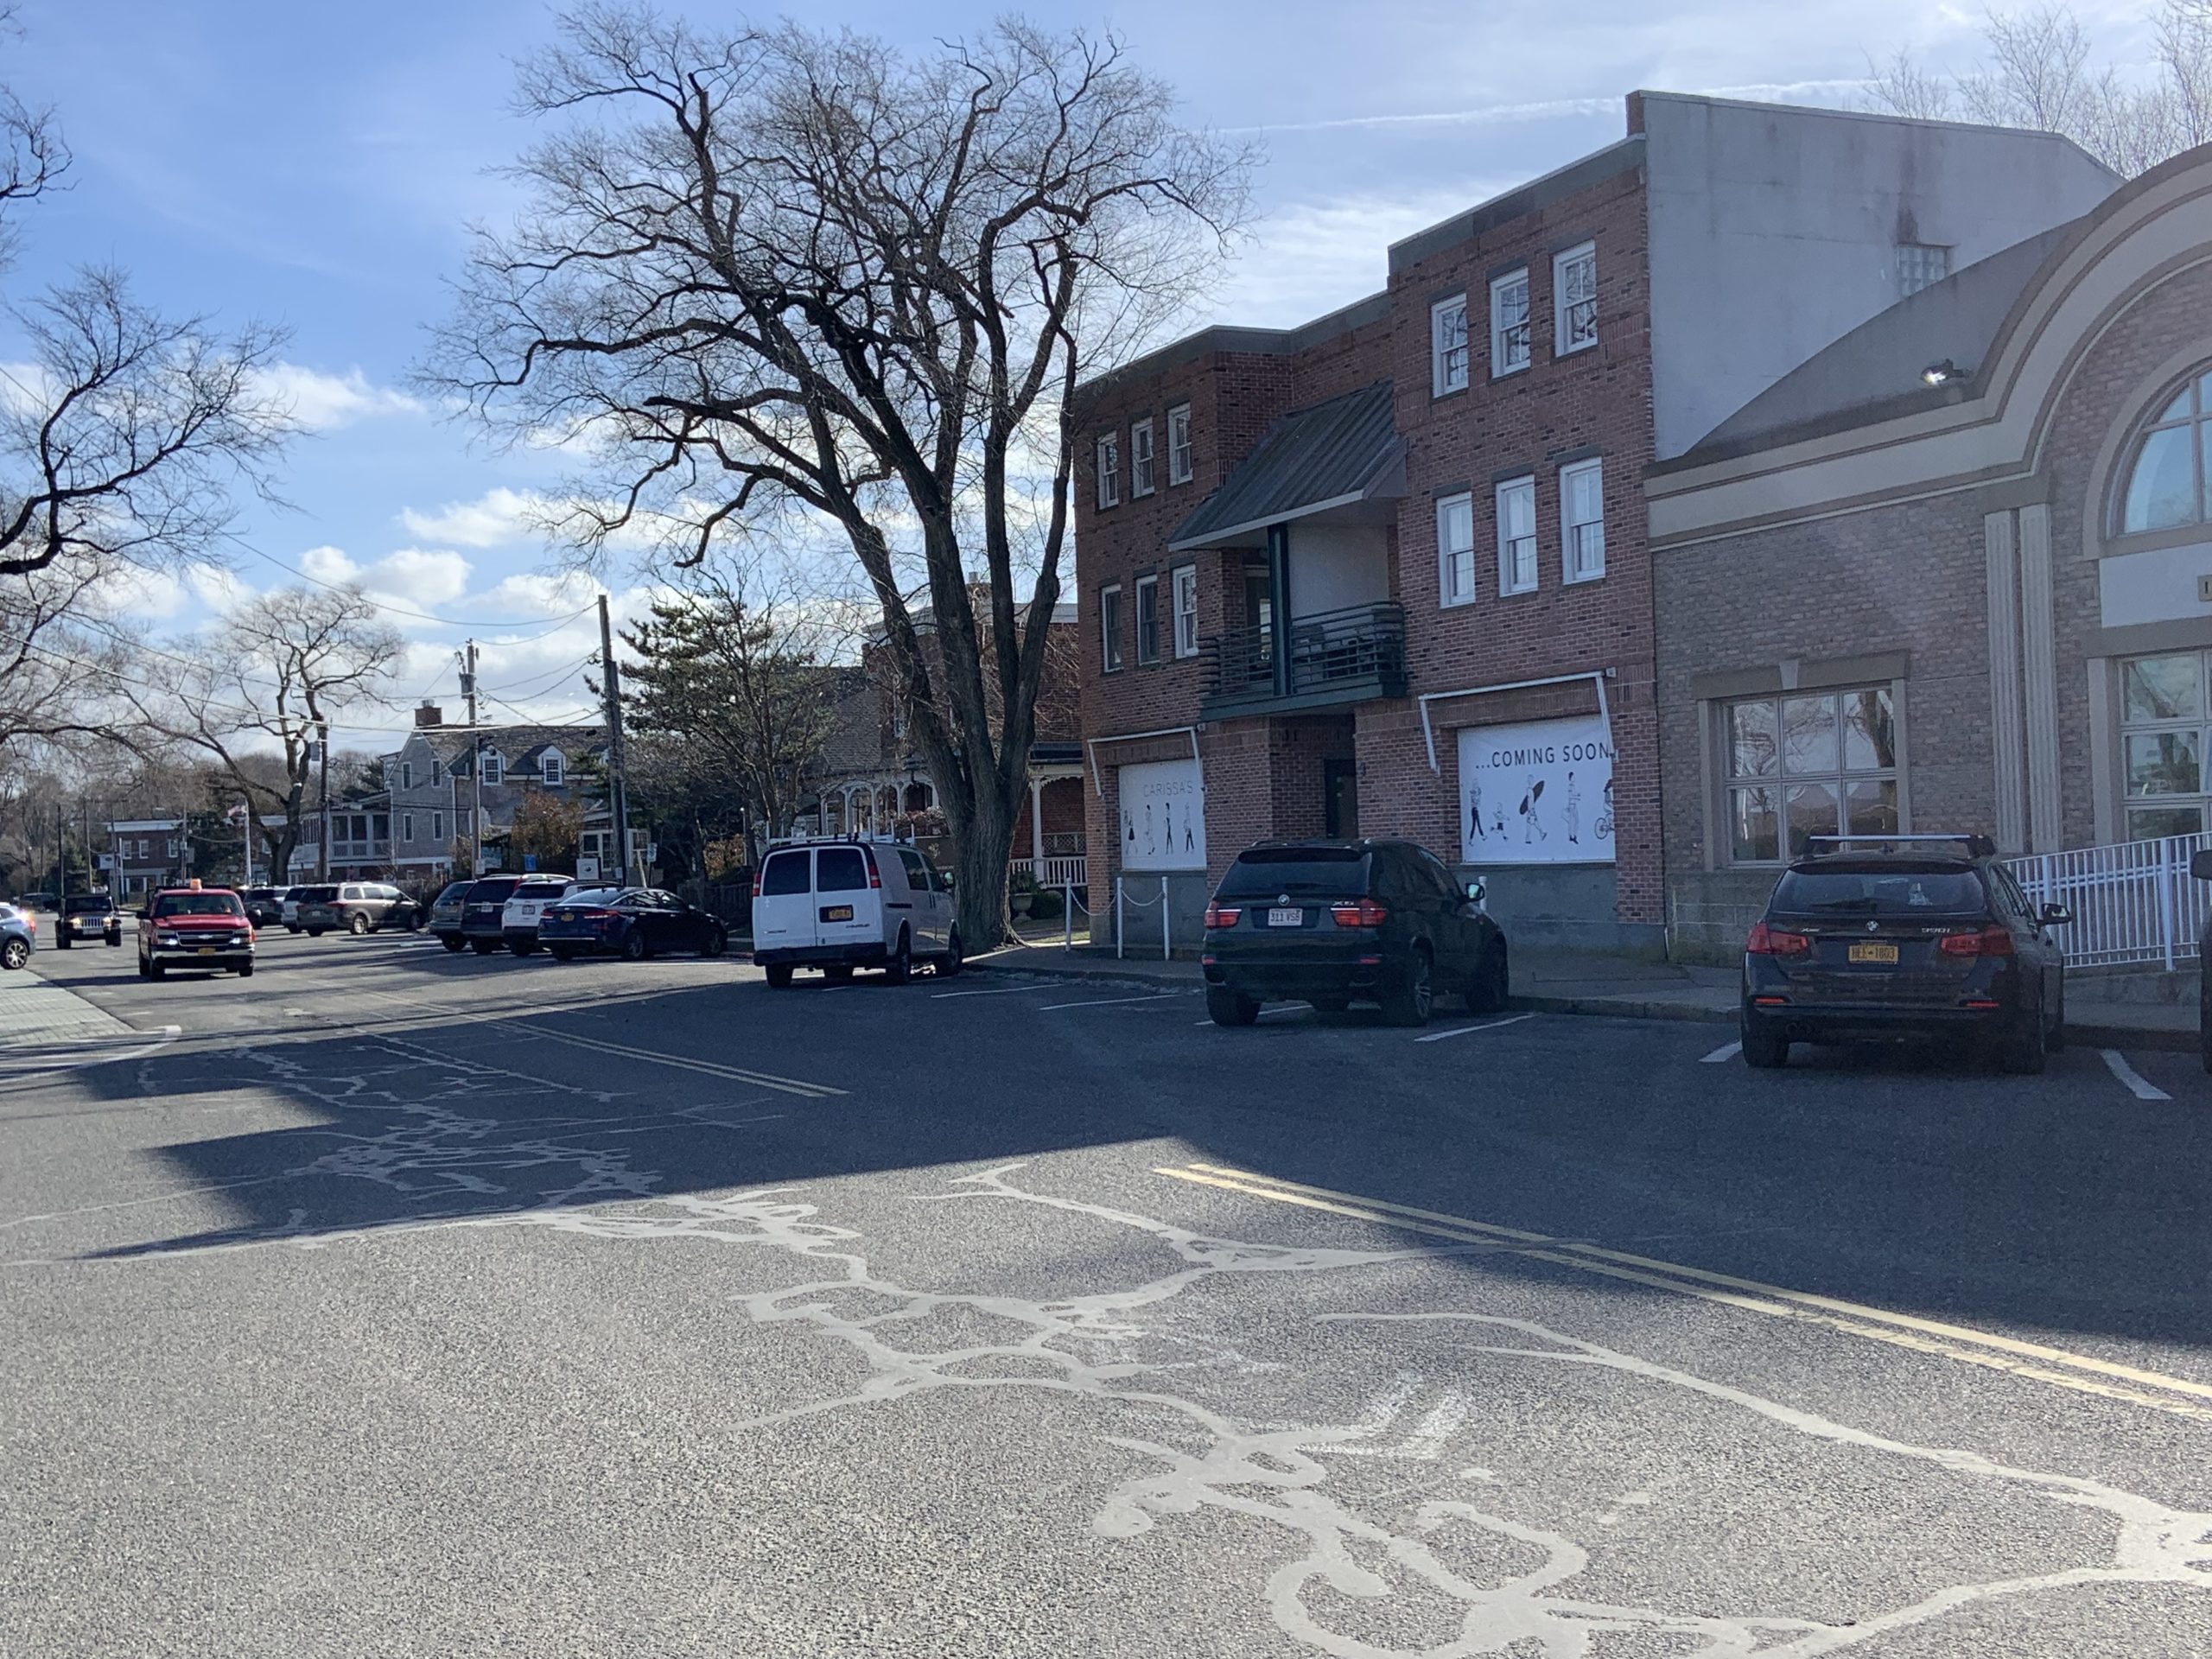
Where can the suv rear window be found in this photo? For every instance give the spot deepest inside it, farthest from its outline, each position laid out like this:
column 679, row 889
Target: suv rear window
column 842, row 869
column 453, row 890
column 1927, row 892
column 1301, row 872
column 493, row 887
column 786, row 873
column 317, row 895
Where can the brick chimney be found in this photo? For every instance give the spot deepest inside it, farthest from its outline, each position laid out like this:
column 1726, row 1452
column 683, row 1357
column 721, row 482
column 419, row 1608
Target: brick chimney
column 428, row 714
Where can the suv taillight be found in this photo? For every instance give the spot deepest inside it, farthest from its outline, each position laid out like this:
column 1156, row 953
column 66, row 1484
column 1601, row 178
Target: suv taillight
column 1224, row 915
column 1988, row 941
column 1359, row 912
column 1776, row 942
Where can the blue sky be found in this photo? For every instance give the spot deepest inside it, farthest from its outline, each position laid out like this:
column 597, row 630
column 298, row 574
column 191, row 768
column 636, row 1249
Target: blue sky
column 316, row 166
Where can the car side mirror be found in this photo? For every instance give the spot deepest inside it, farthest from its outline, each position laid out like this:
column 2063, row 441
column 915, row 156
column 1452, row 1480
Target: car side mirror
column 1476, row 892
column 2054, row 914
column 2200, row 865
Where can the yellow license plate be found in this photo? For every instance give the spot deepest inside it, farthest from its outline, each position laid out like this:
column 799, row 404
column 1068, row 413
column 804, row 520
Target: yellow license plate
column 207, row 949
column 1882, row 953
column 836, row 912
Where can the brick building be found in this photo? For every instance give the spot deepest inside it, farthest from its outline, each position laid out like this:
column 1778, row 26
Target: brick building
column 1387, row 573
column 1955, row 572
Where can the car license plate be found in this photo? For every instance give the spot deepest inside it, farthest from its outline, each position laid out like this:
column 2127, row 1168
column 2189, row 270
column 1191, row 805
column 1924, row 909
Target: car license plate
column 836, row 912
column 564, row 915
column 1885, row 953
column 207, row 949
column 1286, row 919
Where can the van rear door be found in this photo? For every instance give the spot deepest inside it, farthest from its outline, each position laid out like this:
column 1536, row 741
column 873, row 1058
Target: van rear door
column 848, row 903
column 783, row 916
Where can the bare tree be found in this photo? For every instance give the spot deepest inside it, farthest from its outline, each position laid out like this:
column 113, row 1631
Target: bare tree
column 254, row 699
column 786, row 276
column 2038, row 74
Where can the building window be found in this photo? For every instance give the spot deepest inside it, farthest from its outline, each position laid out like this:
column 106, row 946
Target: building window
column 1141, row 458
column 2162, row 732
column 407, row 775
column 1822, row 763
column 1509, row 323
column 438, row 828
column 1147, row 619
column 1186, row 583
column 1109, row 628
column 434, row 774
column 550, row 768
column 1455, row 550
column 1516, row 536
column 1178, row 444
column 1575, row 299
column 1448, row 346
column 493, row 765
column 407, row 826
column 1109, row 471
column 2166, row 481
column 1921, row 265
column 1582, row 520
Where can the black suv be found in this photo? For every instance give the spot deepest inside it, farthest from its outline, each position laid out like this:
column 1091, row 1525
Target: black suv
column 1899, row 936
column 88, row 915
column 480, row 910
column 1332, row 922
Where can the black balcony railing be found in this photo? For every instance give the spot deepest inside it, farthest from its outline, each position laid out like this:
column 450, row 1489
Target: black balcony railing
column 1345, row 656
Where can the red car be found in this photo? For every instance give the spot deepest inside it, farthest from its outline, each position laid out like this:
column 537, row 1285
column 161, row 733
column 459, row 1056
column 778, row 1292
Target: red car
column 195, row 927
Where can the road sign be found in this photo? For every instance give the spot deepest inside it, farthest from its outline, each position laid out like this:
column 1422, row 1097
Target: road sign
column 587, row 869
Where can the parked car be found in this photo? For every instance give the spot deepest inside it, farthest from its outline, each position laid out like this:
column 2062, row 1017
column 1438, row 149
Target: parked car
column 482, row 910
column 1332, row 923
column 445, row 914
column 88, row 916
column 35, row 901
column 1901, row 937
column 842, row 905
column 627, row 922
column 290, row 908
column 356, row 907
column 195, row 927
column 518, row 917
column 18, row 935
column 265, row 906
column 2200, row 866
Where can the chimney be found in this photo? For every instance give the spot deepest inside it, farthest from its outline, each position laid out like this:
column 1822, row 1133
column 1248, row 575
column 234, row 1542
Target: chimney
column 428, row 714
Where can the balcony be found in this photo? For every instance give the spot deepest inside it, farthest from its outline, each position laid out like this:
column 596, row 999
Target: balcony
column 1335, row 657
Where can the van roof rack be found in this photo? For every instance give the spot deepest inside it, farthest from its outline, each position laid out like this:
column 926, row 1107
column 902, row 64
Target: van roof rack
column 1977, row 846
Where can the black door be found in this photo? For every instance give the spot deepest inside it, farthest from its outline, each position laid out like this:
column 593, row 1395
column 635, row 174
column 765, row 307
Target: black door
column 1340, row 799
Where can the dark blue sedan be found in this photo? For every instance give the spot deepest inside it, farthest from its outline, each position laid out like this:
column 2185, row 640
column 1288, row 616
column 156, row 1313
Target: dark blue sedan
column 632, row 923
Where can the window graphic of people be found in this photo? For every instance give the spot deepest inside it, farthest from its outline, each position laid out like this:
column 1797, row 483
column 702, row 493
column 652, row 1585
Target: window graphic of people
column 1190, row 840
column 1130, row 828
column 1573, row 810
column 1151, row 841
column 1167, row 827
column 1532, row 823
column 1604, row 827
column 1475, row 808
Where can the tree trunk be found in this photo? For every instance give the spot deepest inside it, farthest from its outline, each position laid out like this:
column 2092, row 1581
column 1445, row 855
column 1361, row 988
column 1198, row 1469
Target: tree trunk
column 979, row 853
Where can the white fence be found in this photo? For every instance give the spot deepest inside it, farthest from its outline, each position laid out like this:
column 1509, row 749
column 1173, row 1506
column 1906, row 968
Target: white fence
column 2134, row 901
column 1055, row 873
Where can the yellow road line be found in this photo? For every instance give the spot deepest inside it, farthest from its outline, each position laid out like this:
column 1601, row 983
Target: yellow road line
column 2082, row 1373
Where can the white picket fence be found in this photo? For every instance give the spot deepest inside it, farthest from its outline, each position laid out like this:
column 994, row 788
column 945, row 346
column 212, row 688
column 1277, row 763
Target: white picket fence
column 1055, row 872
column 2133, row 902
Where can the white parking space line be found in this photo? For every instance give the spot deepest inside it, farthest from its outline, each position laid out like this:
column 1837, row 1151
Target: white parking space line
column 2133, row 1081
column 1725, row 1052
column 1112, row 1001
column 1461, row 1031
column 1003, row 990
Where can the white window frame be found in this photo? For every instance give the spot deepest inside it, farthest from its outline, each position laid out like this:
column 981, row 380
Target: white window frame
column 1443, row 378
column 1110, row 470
column 1147, row 639
column 438, row 828
column 1141, row 458
column 407, row 827
column 2145, row 798
column 1179, row 458
column 553, row 769
column 1572, row 544
column 495, row 768
column 434, row 769
column 1563, row 308
column 1781, row 778
column 1109, row 628
column 1503, row 361
column 1451, row 590
column 1183, row 582
column 407, row 775
column 1518, row 563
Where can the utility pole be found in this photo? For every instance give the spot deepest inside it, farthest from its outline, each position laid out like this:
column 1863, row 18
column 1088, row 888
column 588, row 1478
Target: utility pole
column 618, row 794
column 322, row 754
column 467, row 656
column 469, row 679
column 245, row 837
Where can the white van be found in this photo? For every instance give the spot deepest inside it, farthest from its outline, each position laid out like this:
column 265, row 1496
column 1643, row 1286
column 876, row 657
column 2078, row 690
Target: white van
column 842, row 905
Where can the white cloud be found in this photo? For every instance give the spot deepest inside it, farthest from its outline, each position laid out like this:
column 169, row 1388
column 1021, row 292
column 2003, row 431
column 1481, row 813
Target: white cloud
column 319, row 401
column 499, row 515
column 1311, row 256
column 423, row 577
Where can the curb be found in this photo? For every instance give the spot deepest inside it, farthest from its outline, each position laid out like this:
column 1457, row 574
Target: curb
column 1624, row 1009
column 2179, row 1042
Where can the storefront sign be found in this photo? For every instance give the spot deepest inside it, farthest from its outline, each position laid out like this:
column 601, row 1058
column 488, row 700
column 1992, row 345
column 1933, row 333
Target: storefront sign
column 1538, row 792
column 1163, row 816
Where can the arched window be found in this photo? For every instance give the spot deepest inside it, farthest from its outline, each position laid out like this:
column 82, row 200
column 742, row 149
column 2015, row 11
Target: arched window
column 2167, row 471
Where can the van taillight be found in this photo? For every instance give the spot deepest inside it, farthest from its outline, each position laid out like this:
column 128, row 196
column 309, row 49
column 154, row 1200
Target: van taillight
column 1775, row 942
column 1224, row 915
column 1361, row 912
column 1989, row 942
column 874, row 877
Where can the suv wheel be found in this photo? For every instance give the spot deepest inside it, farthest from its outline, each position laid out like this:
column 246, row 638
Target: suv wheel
column 1412, row 1001
column 357, row 923
column 780, row 976
column 952, row 962
column 2053, row 1041
column 453, row 942
column 2020, row 1051
column 1492, row 986
column 1228, row 1008
column 245, row 970
column 1764, row 1046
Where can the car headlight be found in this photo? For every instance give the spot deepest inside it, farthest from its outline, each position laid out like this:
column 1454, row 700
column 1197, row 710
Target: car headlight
column 166, row 939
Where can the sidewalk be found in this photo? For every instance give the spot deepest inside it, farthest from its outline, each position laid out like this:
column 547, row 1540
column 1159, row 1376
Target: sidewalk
column 1588, row 981
column 35, row 1013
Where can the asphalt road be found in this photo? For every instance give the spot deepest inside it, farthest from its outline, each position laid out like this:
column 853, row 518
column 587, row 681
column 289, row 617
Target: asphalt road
column 407, row 1304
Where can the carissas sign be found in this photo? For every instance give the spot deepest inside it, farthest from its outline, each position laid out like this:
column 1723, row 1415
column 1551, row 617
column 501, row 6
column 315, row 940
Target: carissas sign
column 1538, row 792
